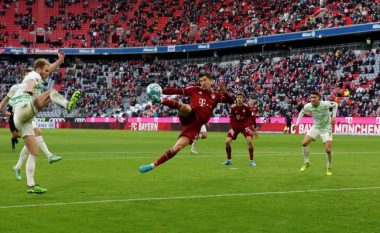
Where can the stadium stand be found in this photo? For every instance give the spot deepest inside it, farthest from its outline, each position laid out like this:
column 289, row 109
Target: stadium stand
column 278, row 84
column 82, row 23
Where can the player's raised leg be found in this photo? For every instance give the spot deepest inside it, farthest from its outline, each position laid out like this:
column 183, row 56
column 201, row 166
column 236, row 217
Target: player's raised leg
column 179, row 145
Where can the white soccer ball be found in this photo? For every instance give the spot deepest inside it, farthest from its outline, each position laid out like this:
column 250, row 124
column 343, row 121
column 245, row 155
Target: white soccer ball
column 154, row 89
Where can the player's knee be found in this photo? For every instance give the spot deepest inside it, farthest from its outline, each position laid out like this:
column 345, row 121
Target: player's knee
column 204, row 136
column 305, row 144
column 37, row 132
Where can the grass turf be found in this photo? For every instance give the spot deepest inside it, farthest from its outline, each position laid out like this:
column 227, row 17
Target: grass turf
column 97, row 187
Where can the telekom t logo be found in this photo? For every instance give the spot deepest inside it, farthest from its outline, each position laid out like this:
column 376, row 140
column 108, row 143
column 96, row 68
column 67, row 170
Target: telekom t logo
column 202, row 102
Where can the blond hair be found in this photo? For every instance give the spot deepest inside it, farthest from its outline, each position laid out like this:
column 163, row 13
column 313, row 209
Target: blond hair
column 40, row 63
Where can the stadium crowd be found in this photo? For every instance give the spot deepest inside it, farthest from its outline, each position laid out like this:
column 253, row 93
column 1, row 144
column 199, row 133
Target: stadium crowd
column 279, row 85
column 82, row 23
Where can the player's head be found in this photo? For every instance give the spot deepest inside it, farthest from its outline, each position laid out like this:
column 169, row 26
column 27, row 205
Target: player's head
column 41, row 66
column 205, row 80
column 251, row 102
column 315, row 97
column 25, row 72
column 239, row 98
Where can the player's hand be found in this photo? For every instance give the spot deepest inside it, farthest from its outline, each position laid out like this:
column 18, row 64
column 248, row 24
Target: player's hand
column 255, row 133
column 231, row 132
column 61, row 56
column 333, row 120
column 222, row 88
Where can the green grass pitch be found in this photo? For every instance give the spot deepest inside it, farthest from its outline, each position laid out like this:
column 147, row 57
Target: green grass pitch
column 97, row 186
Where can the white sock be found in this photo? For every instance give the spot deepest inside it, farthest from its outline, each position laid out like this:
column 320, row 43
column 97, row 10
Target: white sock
column 193, row 144
column 200, row 136
column 329, row 160
column 57, row 98
column 23, row 154
column 305, row 154
column 42, row 145
column 30, row 166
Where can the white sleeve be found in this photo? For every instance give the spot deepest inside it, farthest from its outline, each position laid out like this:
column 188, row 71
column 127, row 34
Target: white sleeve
column 12, row 91
column 33, row 76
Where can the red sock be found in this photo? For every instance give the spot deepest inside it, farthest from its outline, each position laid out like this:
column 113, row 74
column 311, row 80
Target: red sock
column 171, row 103
column 250, row 149
column 165, row 157
column 228, row 151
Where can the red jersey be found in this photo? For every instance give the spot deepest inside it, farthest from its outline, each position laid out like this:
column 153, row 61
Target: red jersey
column 241, row 117
column 202, row 102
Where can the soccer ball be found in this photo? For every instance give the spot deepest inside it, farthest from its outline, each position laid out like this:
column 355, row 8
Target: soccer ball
column 154, row 89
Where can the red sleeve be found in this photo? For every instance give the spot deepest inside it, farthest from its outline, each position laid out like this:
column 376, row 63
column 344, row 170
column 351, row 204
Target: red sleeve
column 227, row 98
column 173, row 91
column 179, row 91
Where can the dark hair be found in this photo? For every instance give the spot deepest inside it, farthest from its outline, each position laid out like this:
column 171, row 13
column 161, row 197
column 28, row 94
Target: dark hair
column 204, row 73
column 239, row 93
column 315, row 93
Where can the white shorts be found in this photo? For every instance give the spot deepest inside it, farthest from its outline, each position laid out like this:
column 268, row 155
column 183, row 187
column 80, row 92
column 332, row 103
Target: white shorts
column 326, row 134
column 203, row 129
column 24, row 114
column 34, row 124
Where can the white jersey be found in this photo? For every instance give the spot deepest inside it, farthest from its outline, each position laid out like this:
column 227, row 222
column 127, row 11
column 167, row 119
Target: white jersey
column 17, row 92
column 320, row 114
column 39, row 82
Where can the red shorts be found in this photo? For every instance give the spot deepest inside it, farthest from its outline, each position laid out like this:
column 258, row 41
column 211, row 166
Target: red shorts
column 245, row 131
column 191, row 125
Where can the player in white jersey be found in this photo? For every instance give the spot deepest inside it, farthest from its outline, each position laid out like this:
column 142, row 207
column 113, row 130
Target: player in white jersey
column 27, row 102
column 323, row 122
column 37, row 131
column 202, row 135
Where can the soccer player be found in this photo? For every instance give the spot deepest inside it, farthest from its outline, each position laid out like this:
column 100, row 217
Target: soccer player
column 288, row 123
column 202, row 135
column 37, row 131
column 323, row 122
column 27, row 102
column 203, row 101
column 241, row 122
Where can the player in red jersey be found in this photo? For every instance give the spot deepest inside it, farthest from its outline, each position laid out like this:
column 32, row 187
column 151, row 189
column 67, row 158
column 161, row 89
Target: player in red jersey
column 241, row 120
column 192, row 116
column 255, row 112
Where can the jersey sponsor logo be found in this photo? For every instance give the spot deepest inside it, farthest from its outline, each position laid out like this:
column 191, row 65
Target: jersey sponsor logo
column 202, row 102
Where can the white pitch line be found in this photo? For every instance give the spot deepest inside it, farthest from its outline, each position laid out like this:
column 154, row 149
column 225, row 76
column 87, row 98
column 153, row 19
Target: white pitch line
column 188, row 197
column 183, row 155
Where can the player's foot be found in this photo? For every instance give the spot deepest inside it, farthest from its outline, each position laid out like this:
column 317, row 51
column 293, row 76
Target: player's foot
column 145, row 168
column 329, row 172
column 227, row 162
column 304, row 167
column 73, row 101
column 252, row 163
column 36, row 189
column 17, row 173
column 13, row 149
column 54, row 158
column 194, row 151
column 155, row 99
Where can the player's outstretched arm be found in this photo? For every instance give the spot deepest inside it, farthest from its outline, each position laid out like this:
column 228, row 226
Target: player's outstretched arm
column 4, row 102
column 174, row 91
column 226, row 97
column 56, row 64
